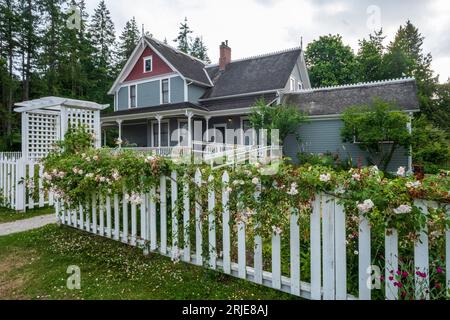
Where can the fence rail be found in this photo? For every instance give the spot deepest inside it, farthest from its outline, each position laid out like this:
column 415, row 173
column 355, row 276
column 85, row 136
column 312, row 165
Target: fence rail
column 21, row 183
column 161, row 226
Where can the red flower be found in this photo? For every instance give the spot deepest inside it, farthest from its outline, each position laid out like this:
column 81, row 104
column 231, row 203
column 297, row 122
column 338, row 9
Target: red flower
column 391, row 278
column 405, row 274
column 439, row 270
column 438, row 286
column 404, row 294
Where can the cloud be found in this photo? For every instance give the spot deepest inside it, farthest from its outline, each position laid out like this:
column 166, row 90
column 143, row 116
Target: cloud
column 259, row 26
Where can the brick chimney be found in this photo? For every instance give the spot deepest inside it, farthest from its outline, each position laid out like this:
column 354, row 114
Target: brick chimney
column 225, row 55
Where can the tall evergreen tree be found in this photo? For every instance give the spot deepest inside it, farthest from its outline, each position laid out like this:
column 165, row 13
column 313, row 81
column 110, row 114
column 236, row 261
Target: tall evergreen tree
column 183, row 38
column 9, row 27
column 405, row 55
column 128, row 41
column 331, row 62
column 370, row 57
column 102, row 36
column 52, row 51
column 29, row 37
column 199, row 50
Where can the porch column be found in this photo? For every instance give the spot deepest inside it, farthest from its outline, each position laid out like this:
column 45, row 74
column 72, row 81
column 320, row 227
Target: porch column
column 104, row 137
column 207, row 118
column 190, row 115
column 119, row 123
column 159, row 118
column 410, row 158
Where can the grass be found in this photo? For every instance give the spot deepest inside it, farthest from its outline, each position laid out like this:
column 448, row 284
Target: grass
column 8, row 215
column 33, row 265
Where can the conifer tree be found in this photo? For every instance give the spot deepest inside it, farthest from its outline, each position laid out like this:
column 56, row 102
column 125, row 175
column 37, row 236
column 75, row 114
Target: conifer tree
column 183, row 38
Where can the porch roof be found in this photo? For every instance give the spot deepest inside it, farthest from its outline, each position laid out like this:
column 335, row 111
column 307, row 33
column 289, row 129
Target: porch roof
column 55, row 104
column 174, row 109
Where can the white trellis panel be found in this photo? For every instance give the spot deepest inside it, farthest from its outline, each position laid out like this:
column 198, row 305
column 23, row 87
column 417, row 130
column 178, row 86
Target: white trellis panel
column 42, row 133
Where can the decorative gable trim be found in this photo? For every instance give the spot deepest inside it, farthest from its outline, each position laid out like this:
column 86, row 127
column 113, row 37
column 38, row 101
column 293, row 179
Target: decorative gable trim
column 129, row 65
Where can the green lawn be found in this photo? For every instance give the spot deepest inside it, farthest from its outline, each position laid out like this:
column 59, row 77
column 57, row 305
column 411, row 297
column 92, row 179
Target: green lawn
column 33, row 265
column 8, row 215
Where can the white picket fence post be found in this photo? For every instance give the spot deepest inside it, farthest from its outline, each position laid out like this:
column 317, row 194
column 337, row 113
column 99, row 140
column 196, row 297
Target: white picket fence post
column 226, row 224
column 198, row 221
column 364, row 258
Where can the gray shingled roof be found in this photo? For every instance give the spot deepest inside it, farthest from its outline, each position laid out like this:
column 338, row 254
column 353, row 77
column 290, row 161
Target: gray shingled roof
column 334, row 100
column 238, row 102
column 263, row 73
column 189, row 67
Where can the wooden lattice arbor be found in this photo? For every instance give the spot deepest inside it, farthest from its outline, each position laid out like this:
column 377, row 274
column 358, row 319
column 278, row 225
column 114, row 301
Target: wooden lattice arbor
column 46, row 120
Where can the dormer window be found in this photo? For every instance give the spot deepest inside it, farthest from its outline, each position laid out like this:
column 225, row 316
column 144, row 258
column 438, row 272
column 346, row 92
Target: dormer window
column 300, row 86
column 292, row 86
column 148, row 64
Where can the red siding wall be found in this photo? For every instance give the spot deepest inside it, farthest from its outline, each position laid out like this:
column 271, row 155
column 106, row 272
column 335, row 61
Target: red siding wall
column 159, row 67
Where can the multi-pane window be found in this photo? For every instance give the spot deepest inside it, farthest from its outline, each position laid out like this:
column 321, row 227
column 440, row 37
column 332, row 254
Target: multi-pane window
column 248, row 138
column 164, row 134
column 148, row 64
column 165, row 91
column 133, row 96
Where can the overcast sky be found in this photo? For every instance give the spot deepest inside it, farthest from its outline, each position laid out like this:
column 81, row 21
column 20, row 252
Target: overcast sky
column 260, row 26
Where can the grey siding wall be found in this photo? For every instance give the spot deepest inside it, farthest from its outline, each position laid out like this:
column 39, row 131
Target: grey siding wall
column 324, row 136
column 176, row 90
column 148, row 94
column 194, row 93
column 122, row 98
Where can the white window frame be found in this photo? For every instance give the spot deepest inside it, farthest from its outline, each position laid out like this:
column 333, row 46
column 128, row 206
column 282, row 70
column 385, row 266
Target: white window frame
column 255, row 138
column 179, row 128
column 221, row 125
column 161, row 93
column 145, row 63
column 292, row 82
column 129, row 96
column 152, row 131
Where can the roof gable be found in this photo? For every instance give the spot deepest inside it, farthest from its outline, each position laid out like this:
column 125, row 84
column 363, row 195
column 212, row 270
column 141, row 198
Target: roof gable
column 159, row 67
column 263, row 73
column 189, row 67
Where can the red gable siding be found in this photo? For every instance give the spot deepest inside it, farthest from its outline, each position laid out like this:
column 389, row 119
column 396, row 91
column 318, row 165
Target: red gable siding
column 159, row 67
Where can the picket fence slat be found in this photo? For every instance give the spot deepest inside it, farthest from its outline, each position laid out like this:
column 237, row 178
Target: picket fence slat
column 30, row 194
column 40, row 185
column 258, row 250
column 364, row 258
column 88, row 217
column 421, row 260
column 81, row 212
column 316, row 290
column 116, row 218
column 212, row 225
column 94, row 214
column 153, row 231
column 391, row 256
column 295, row 252
column 174, row 198
column 340, row 252
column 163, row 214
column 108, row 217
column 125, row 217
column 242, row 261
column 276, row 261
column 133, row 224
column 186, row 217
column 198, row 221
column 102, row 216
column 328, row 249
column 226, row 225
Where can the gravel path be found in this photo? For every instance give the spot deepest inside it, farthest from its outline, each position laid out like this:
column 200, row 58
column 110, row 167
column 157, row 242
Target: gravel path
column 25, row 225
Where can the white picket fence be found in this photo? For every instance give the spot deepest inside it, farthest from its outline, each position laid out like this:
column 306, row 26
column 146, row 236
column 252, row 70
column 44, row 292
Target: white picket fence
column 21, row 183
column 137, row 225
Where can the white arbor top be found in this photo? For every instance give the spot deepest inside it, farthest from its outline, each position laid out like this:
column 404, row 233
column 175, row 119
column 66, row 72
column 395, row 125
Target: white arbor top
column 55, row 104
